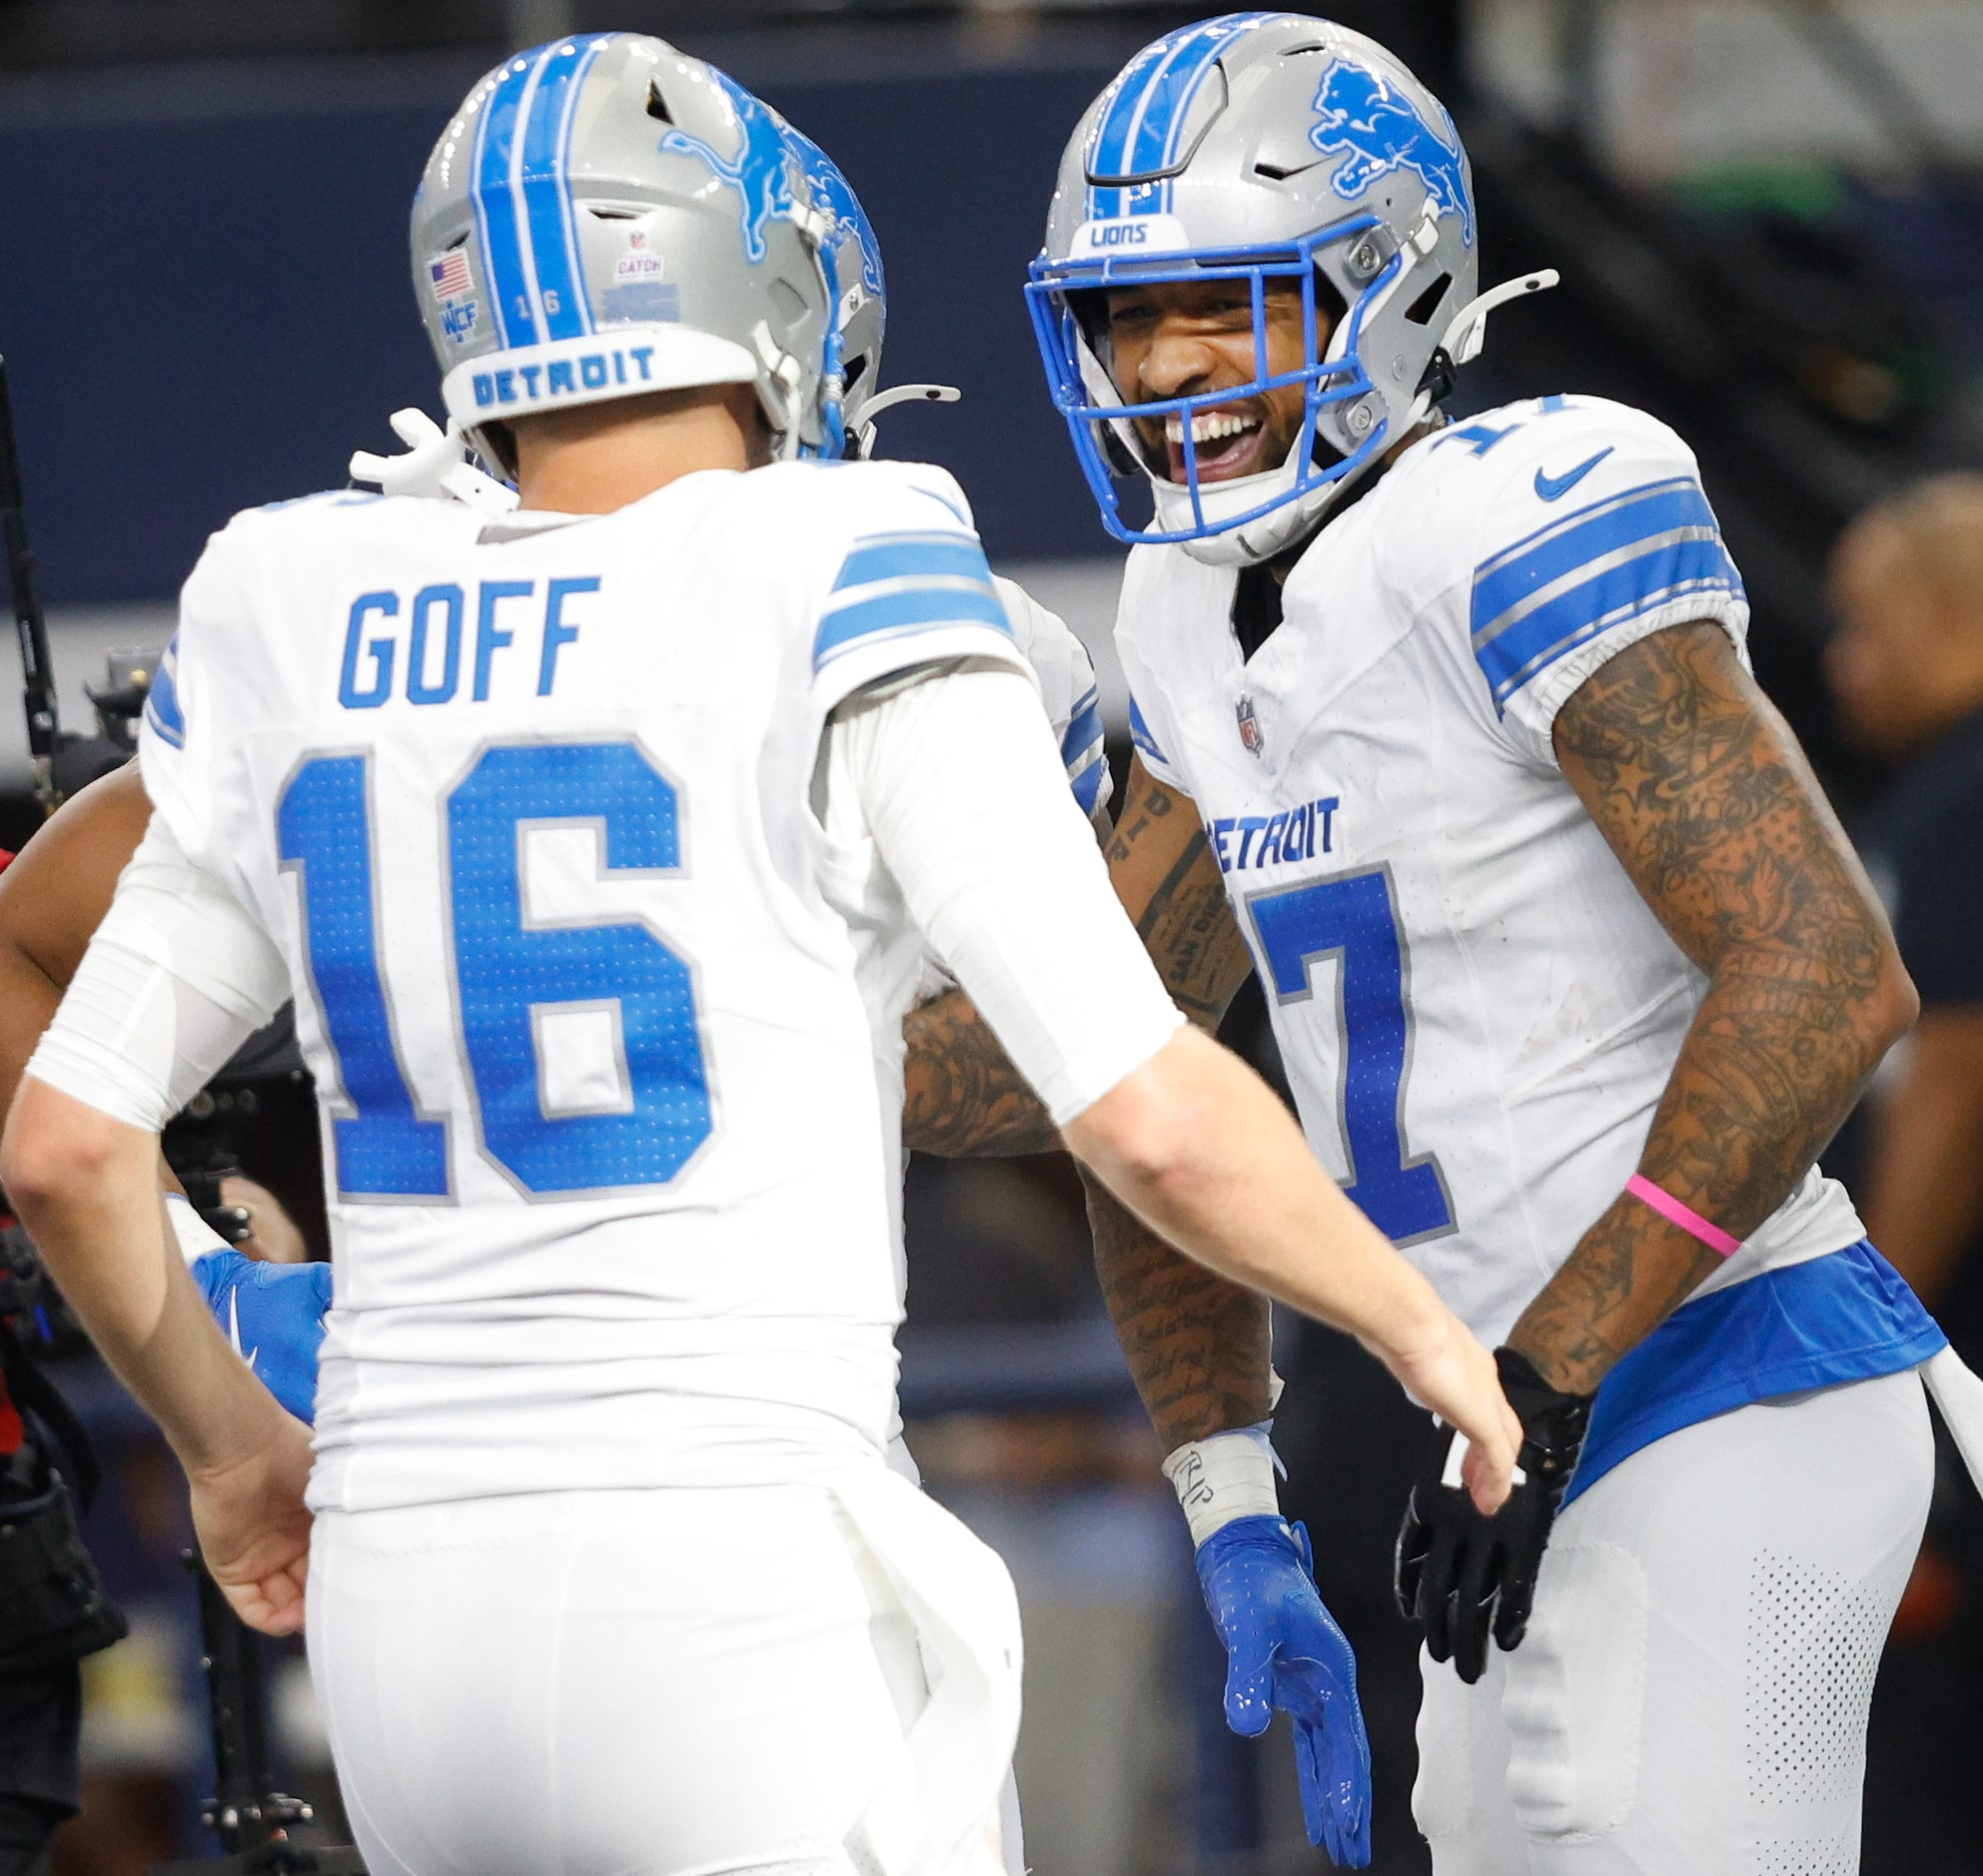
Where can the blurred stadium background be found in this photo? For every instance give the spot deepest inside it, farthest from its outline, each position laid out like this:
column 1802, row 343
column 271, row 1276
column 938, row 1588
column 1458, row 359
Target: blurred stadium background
column 1768, row 215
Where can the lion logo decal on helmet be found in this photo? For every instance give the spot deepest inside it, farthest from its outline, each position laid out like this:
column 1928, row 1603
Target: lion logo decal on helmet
column 759, row 172
column 1381, row 131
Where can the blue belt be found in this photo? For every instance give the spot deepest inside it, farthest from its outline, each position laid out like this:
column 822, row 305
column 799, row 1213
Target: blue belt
column 1847, row 1316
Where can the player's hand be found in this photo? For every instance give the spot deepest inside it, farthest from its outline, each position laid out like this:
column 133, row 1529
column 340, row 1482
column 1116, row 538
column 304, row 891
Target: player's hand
column 1462, row 1575
column 1284, row 1650
column 1445, row 1367
column 253, row 1529
column 274, row 1315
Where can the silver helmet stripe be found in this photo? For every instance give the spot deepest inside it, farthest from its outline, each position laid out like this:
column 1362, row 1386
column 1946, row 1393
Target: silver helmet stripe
column 545, row 178
column 1139, row 131
column 523, row 197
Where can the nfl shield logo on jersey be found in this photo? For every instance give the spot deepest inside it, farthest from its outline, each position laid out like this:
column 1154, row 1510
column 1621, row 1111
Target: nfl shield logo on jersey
column 1249, row 731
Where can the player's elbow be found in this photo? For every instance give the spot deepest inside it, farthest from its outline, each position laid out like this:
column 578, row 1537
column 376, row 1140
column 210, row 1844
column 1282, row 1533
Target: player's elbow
column 55, row 1149
column 1892, row 1006
column 1151, row 1136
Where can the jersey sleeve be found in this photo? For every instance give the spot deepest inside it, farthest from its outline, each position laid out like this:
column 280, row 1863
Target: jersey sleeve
column 178, row 738
column 1554, row 594
column 909, row 586
column 1068, row 691
column 1149, row 725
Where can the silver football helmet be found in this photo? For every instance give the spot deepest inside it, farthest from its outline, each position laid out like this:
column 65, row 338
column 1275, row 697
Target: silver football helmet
column 607, row 215
column 1262, row 148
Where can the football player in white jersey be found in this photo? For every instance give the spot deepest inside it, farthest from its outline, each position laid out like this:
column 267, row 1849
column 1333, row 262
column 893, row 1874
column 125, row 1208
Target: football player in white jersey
column 1571, row 970
column 599, row 845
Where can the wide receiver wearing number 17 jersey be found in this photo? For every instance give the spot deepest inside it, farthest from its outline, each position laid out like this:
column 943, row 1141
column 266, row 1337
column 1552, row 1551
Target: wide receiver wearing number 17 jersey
column 1424, row 690
column 599, row 844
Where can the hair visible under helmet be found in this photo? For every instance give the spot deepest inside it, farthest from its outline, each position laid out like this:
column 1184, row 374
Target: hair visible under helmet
column 606, row 217
column 1261, row 147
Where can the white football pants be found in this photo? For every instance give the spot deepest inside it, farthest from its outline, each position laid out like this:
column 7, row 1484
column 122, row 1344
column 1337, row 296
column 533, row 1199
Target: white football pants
column 1692, row 1695
column 646, row 1684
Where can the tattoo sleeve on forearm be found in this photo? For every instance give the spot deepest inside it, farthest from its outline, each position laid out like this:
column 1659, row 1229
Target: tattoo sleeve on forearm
column 961, row 1093
column 1702, row 793
column 1185, row 923
column 1198, row 1347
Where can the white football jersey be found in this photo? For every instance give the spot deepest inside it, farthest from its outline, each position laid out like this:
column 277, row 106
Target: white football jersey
column 1477, row 1010
column 607, row 1031
column 1073, row 703
column 1068, row 691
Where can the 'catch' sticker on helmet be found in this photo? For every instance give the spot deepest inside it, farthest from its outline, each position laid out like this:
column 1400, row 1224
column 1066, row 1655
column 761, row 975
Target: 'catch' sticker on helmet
column 1363, row 116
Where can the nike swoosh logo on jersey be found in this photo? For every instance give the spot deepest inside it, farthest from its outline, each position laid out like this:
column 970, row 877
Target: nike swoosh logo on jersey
column 1550, row 487
column 234, row 1331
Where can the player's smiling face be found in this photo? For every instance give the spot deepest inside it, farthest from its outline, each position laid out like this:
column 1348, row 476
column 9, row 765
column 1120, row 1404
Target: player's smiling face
column 1182, row 339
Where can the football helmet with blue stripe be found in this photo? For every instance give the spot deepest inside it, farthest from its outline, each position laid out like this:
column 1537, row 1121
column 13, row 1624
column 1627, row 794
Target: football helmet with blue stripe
column 604, row 217
column 1260, row 149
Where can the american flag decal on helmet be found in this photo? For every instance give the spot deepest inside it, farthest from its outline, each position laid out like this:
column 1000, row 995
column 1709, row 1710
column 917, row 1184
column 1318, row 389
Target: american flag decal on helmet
column 449, row 276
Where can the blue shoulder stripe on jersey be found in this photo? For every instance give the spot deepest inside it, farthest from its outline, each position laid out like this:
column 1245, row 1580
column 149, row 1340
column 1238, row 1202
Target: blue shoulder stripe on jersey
column 1670, row 571
column 1139, row 733
column 1505, row 582
column 933, row 555
column 162, row 709
column 495, row 205
column 1598, row 567
column 897, row 615
column 546, row 191
column 1138, row 131
column 1843, row 1317
column 1084, row 727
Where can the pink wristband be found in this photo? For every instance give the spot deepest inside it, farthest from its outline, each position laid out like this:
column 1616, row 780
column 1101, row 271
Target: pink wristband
column 1689, row 1220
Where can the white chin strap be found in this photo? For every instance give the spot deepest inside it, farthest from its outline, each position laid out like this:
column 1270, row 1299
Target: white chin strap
column 861, row 429
column 436, row 466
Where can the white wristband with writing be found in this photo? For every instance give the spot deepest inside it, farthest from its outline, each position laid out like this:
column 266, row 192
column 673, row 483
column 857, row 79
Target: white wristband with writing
column 1227, row 1476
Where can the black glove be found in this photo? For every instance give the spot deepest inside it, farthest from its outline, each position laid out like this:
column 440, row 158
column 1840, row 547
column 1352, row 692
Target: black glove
column 1460, row 1573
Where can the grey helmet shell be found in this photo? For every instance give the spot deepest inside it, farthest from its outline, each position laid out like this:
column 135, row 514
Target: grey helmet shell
column 1249, row 133
column 605, row 215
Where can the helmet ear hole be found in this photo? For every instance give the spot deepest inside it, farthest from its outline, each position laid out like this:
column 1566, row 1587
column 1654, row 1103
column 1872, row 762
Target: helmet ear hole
column 1421, row 310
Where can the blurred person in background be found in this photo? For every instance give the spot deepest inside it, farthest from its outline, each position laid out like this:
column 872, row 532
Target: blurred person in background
column 1906, row 667
column 53, row 1610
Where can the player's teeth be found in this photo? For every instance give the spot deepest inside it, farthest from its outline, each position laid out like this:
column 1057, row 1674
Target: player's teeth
column 1208, row 426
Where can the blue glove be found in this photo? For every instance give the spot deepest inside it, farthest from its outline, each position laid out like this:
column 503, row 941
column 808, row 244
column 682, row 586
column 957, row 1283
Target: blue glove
column 274, row 1315
column 1282, row 1650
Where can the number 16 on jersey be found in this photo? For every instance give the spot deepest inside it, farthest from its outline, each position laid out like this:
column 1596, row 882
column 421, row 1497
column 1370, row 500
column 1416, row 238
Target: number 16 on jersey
column 510, row 975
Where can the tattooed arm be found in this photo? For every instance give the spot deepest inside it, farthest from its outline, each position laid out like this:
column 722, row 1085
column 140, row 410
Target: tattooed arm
column 1703, row 792
column 1196, row 1344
